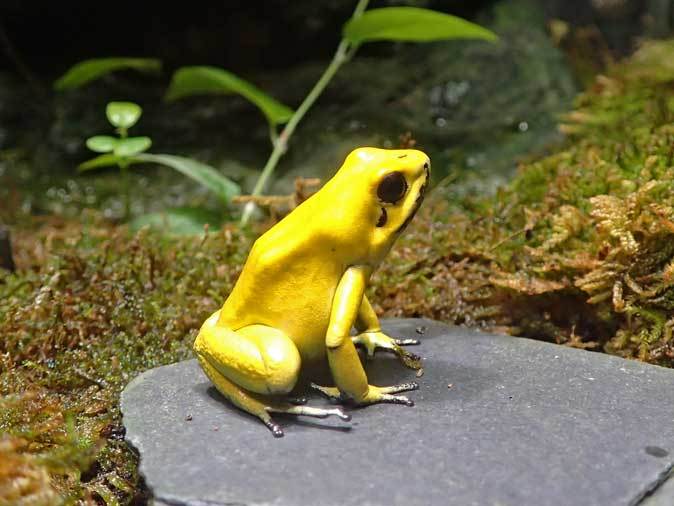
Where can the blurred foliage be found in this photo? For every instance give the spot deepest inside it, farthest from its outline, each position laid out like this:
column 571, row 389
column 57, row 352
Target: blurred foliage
column 411, row 24
column 89, row 70
column 124, row 151
column 577, row 249
column 188, row 81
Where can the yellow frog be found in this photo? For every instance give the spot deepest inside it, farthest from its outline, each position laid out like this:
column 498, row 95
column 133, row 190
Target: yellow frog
column 302, row 289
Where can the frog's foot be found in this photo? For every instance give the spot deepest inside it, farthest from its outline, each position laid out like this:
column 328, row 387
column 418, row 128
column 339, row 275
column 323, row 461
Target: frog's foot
column 290, row 409
column 373, row 341
column 259, row 405
column 374, row 394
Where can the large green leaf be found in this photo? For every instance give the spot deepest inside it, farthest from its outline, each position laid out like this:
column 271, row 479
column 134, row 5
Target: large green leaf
column 179, row 221
column 204, row 174
column 106, row 160
column 189, row 81
column 89, row 70
column 123, row 114
column 411, row 24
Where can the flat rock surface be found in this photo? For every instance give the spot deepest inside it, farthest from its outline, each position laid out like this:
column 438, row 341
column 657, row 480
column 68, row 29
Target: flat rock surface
column 498, row 421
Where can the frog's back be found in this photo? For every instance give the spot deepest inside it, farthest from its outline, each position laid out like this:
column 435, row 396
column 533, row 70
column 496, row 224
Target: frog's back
column 292, row 271
column 289, row 278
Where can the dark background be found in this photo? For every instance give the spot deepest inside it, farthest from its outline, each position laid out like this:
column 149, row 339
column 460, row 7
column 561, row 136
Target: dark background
column 48, row 37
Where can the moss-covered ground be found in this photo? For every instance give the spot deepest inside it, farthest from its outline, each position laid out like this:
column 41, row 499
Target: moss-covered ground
column 578, row 249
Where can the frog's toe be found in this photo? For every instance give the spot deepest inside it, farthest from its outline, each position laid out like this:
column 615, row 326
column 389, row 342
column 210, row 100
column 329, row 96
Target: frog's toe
column 411, row 360
column 330, row 392
column 404, row 387
column 385, row 394
column 406, row 342
column 396, row 399
column 275, row 429
column 309, row 411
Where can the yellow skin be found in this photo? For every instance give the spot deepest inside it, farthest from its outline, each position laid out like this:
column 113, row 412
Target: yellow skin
column 302, row 290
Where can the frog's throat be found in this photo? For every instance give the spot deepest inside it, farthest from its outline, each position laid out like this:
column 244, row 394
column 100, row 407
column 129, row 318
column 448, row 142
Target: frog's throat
column 417, row 205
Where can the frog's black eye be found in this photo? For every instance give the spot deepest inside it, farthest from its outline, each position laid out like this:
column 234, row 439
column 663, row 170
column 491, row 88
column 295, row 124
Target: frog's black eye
column 392, row 188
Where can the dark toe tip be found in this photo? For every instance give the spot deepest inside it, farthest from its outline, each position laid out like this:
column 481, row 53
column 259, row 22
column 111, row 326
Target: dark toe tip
column 409, row 403
column 276, row 431
column 346, row 417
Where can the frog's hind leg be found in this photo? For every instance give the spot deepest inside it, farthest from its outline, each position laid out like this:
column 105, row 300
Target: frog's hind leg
column 251, row 364
column 239, row 397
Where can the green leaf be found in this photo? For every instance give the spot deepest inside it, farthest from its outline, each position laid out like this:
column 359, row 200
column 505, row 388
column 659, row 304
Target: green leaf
column 123, row 114
column 203, row 174
column 189, row 81
column 411, row 24
column 106, row 160
column 102, row 143
column 132, row 146
column 89, row 70
column 179, row 221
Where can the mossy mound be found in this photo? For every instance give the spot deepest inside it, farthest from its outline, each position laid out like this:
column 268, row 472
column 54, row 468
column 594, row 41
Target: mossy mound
column 101, row 307
column 578, row 249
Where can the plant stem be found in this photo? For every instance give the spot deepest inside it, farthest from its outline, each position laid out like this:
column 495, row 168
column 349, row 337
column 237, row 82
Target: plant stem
column 273, row 135
column 126, row 188
column 342, row 55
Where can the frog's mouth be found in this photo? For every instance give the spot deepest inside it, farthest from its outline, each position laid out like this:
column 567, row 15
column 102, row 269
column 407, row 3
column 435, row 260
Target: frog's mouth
column 417, row 202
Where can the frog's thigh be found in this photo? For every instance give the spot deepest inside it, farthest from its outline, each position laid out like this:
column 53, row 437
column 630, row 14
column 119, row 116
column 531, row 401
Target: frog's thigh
column 258, row 358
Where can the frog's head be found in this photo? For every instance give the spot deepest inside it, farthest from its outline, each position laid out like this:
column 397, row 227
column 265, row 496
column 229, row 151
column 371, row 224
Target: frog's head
column 386, row 188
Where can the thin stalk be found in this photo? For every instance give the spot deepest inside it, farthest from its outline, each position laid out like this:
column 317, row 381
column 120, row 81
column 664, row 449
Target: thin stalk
column 126, row 183
column 273, row 134
column 344, row 52
column 126, row 188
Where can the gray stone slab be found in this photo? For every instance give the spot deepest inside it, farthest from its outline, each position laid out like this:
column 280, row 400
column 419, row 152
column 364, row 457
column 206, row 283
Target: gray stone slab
column 523, row 423
column 662, row 496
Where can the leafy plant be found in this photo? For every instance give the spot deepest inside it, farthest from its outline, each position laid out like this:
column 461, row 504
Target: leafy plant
column 90, row 70
column 118, row 150
column 197, row 80
column 384, row 24
column 124, row 151
column 408, row 24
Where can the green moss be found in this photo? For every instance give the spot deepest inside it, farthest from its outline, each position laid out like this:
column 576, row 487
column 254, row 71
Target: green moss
column 104, row 307
column 579, row 247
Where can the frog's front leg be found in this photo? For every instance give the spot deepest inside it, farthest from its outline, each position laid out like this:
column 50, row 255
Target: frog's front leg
column 345, row 365
column 254, row 368
column 372, row 338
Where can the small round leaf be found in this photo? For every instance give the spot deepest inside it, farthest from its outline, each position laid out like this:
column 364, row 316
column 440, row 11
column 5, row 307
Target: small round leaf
column 132, row 146
column 102, row 143
column 123, row 114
